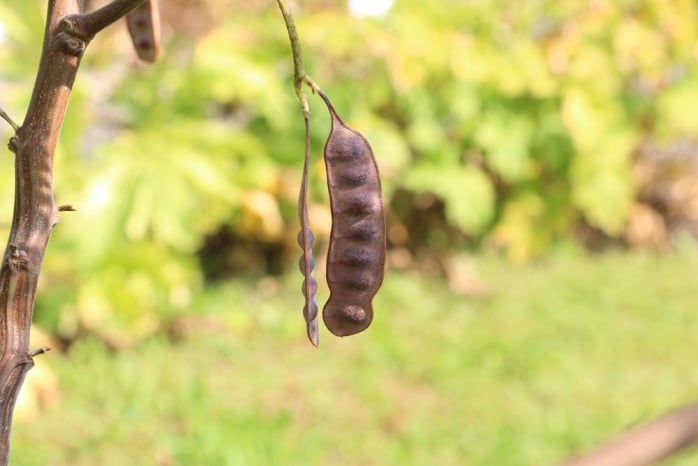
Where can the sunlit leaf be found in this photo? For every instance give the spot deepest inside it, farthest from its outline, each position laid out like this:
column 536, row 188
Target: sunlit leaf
column 506, row 142
column 677, row 107
column 603, row 187
column 467, row 193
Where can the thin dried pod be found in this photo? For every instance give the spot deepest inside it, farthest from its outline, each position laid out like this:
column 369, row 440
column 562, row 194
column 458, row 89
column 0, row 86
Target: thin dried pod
column 356, row 255
column 305, row 241
column 144, row 27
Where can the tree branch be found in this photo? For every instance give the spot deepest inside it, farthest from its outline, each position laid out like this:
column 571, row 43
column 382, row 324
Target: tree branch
column 66, row 36
column 34, row 214
column 88, row 24
column 646, row 444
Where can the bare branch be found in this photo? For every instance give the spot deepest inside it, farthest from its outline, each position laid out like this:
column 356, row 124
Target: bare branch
column 35, row 213
column 646, row 444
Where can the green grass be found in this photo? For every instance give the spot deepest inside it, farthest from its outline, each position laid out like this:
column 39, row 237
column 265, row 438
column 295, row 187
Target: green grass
column 555, row 357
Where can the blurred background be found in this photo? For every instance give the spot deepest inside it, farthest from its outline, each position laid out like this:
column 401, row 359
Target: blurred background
column 540, row 174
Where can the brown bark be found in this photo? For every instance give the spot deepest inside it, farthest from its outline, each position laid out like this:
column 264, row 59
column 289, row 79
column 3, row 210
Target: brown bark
column 67, row 33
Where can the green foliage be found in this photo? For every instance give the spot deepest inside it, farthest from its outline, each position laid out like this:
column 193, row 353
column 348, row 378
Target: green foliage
column 554, row 358
column 467, row 192
column 520, row 118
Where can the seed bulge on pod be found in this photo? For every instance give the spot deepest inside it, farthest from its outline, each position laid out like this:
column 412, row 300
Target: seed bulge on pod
column 363, row 230
column 354, row 178
column 344, row 146
column 357, row 256
column 360, row 203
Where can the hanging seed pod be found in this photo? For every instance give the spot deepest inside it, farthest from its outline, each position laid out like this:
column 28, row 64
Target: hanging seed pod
column 356, row 255
column 305, row 241
column 144, row 27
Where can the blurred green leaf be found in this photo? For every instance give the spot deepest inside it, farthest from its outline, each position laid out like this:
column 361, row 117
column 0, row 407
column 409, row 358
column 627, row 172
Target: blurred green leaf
column 676, row 107
column 467, row 193
column 506, row 140
column 604, row 188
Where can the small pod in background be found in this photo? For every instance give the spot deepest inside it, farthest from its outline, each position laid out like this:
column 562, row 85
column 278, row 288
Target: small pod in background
column 144, row 27
column 356, row 255
column 305, row 241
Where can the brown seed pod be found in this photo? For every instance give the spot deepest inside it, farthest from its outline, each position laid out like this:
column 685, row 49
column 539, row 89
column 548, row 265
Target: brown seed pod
column 144, row 27
column 356, row 256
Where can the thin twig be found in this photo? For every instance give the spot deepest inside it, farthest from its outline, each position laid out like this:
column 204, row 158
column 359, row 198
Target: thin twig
column 89, row 24
column 299, row 74
column 9, row 120
column 38, row 351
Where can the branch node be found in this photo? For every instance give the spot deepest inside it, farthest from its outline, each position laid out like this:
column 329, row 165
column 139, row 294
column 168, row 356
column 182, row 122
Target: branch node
column 73, row 45
column 66, row 208
column 312, row 84
column 68, row 25
column 12, row 145
column 18, row 258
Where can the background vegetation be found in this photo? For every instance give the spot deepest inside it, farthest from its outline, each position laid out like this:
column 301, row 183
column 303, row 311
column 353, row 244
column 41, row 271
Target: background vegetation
column 553, row 358
column 518, row 132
